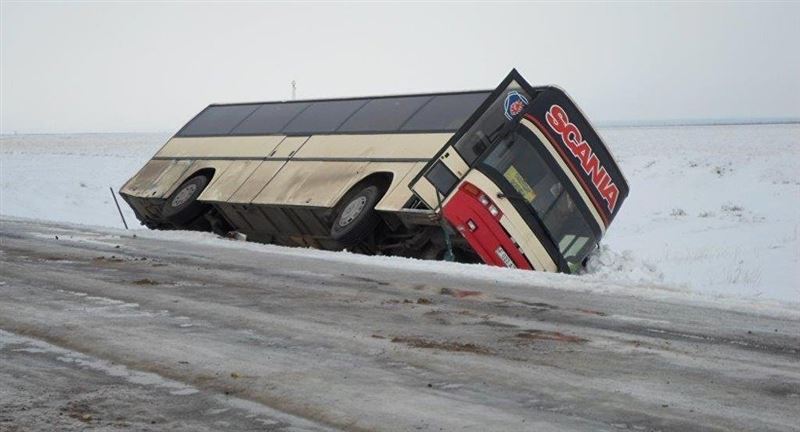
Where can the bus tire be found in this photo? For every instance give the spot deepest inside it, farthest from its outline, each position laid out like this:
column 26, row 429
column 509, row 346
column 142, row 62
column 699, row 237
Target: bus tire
column 356, row 218
column 182, row 206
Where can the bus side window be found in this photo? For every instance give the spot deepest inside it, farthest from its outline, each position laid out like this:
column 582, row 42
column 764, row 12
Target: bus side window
column 441, row 178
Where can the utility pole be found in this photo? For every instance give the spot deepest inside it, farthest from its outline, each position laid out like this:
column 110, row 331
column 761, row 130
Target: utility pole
column 294, row 89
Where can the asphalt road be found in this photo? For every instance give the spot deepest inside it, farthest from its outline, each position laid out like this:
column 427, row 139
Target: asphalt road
column 102, row 330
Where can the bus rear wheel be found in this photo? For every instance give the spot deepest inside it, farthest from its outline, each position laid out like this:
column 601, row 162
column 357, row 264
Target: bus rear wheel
column 182, row 206
column 356, row 218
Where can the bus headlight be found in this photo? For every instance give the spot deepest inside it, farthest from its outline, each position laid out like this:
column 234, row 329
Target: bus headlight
column 494, row 211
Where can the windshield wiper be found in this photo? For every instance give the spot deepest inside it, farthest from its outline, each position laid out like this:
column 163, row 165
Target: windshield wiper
column 512, row 196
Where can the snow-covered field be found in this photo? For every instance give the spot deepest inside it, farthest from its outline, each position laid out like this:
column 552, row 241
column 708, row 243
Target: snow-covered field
column 713, row 209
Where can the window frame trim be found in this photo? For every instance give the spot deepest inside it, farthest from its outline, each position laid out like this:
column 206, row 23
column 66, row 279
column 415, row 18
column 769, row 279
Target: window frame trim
column 181, row 131
column 262, row 133
column 398, row 129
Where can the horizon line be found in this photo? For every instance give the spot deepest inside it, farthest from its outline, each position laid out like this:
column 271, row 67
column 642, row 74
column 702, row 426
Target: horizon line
column 599, row 125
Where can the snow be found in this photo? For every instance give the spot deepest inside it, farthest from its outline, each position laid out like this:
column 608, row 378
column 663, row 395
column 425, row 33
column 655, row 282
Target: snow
column 104, row 366
column 66, row 177
column 618, row 274
column 608, row 263
column 713, row 210
column 148, row 379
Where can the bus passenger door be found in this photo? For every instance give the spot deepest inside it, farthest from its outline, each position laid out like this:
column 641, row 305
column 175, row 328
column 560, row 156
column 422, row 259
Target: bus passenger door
column 442, row 175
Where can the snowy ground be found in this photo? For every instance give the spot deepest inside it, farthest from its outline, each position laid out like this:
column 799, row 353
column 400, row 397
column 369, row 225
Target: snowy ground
column 713, row 209
column 66, row 177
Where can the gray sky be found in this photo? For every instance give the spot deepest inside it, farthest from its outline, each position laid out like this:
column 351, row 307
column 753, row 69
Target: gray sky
column 102, row 67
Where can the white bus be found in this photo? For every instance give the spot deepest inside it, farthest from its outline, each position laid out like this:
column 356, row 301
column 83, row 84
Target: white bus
column 513, row 177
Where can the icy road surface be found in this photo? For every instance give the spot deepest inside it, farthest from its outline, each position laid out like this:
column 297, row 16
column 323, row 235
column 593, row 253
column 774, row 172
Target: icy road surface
column 101, row 329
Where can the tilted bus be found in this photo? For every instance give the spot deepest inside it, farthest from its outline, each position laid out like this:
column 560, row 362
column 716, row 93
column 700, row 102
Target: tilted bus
column 513, row 177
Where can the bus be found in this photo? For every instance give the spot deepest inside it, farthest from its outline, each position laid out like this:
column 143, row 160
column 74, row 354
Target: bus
column 514, row 177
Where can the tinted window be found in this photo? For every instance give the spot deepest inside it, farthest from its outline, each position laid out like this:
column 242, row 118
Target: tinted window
column 487, row 127
column 534, row 183
column 441, row 178
column 270, row 118
column 382, row 115
column 217, row 120
column 446, row 112
column 323, row 116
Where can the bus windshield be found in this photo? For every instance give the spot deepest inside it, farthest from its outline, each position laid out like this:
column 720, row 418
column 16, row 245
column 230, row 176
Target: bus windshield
column 534, row 184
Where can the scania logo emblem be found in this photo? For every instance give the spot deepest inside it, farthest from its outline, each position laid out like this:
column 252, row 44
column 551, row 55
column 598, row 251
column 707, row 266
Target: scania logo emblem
column 514, row 104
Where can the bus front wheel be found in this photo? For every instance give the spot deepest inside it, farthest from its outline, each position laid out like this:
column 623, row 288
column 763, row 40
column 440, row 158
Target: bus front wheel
column 182, row 206
column 356, row 218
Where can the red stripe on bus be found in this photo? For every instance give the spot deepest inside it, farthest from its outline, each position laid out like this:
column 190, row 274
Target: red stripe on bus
column 571, row 163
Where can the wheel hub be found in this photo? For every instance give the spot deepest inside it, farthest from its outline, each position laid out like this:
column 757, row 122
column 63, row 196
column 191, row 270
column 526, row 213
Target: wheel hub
column 351, row 212
column 184, row 195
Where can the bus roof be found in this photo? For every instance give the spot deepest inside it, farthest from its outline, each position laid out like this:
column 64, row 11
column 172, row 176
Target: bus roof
column 416, row 113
